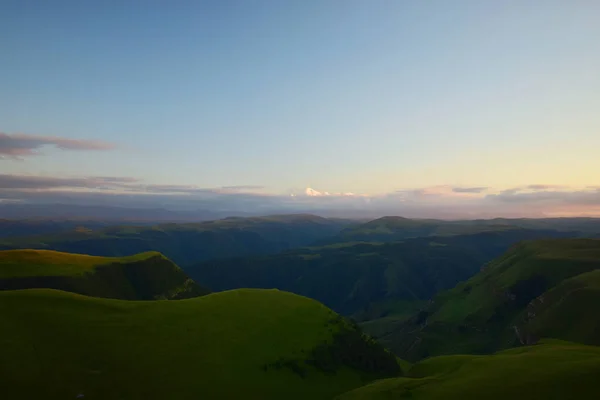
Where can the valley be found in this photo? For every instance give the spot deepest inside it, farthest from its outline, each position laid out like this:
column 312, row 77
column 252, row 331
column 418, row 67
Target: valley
column 443, row 315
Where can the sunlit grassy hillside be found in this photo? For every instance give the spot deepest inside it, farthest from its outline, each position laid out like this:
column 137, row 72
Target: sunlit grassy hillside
column 241, row 344
column 553, row 370
column 143, row 276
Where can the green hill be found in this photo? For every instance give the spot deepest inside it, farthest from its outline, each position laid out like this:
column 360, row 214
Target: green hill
column 189, row 243
column 144, row 276
column 250, row 344
column 567, row 311
column 388, row 229
column 517, row 298
column 552, row 370
column 368, row 280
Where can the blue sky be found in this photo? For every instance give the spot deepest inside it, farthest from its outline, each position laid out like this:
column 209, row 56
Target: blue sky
column 367, row 97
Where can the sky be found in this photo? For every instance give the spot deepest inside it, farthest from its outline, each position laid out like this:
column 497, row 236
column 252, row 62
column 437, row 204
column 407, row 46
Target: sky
column 419, row 108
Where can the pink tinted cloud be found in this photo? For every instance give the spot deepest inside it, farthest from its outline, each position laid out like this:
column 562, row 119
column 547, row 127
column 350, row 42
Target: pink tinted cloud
column 20, row 145
column 545, row 187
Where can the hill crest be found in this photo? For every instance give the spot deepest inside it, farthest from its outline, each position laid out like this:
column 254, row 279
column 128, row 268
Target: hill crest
column 245, row 343
column 143, row 276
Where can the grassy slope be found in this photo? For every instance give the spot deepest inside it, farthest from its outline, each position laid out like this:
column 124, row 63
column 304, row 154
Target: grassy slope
column 396, row 312
column 142, row 277
column 568, row 311
column 543, row 263
column 479, row 315
column 21, row 263
column 554, row 370
column 191, row 242
column 57, row 345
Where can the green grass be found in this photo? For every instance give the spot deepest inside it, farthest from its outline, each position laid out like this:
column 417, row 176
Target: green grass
column 394, row 313
column 23, row 263
column 57, row 345
column 553, row 370
column 545, row 288
column 381, row 326
column 142, row 276
column 551, row 261
column 568, row 311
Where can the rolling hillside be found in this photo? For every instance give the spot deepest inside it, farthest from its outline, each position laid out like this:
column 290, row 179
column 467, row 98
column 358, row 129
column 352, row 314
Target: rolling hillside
column 369, row 280
column 251, row 344
column 552, row 370
column 190, row 243
column 145, row 276
column 545, row 288
column 567, row 311
column 40, row 226
column 393, row 228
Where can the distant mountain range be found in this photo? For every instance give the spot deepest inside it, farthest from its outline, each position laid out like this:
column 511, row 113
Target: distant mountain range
column 393, row 228
column 106, row 213
column 184, row 243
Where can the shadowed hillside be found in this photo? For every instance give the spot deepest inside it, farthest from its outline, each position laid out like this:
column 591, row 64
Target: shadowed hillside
column 144, row 276
column 546, row 288
column 367, row 279
column 568, row 311
column 255, row 344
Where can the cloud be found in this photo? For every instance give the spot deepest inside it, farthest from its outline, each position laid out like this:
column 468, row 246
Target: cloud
column 430, row 202
column 310, row 192
column 20, row 145
column 511, row 191
column 469, row 189
column 533, row 188
column 582, row 197
column 544, row 187
column 314, row 193
column 430, row 192
column 33, row 182
column 170, row 188
column 109, row 183
column 243, row 187
column 118, row 179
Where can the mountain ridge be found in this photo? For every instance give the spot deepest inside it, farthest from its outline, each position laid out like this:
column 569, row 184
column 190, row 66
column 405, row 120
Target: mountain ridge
column 188, row 243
